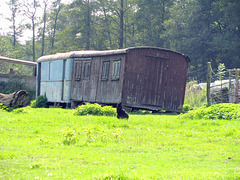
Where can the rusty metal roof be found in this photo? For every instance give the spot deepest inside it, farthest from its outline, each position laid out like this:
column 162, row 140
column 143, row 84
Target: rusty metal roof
column 94, row 53
column 18, row 61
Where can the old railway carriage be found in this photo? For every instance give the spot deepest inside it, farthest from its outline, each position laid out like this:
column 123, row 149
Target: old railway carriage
column 139, row 77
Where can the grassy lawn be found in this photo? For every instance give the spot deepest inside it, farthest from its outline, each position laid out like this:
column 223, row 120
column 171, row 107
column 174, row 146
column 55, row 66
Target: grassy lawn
column 55, row 144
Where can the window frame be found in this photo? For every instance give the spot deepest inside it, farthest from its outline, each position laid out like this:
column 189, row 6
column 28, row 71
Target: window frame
column 86, row 75
column 116, row 68
column 78, row 71
column 105, row 70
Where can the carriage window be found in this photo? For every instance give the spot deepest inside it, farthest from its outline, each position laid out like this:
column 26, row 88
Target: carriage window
column 78, row 68
column 86, row 72
column 116, row 70
column 105, row 70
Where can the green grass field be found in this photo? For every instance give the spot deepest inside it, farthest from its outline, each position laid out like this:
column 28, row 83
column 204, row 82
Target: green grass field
column 54, row 144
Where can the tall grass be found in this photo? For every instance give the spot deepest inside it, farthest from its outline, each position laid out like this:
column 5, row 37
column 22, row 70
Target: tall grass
column 55, row 144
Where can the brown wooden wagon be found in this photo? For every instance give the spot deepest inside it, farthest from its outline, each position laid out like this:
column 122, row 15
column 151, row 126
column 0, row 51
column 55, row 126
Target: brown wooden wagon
column 139, row 77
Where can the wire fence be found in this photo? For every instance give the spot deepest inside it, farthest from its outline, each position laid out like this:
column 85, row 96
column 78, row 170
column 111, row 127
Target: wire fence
column 224, row 87
column 199, row 75
column 221, row 87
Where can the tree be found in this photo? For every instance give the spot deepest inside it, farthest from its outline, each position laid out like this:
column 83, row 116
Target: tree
column 57, row 6
column 206, row 30
column 14, row 8
column 30, row 11
column 119, row 13
column 45, row 2
column 150, row 19
column 227, row 32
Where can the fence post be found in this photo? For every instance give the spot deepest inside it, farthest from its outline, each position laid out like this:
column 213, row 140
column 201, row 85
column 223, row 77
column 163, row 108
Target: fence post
column 230, row 83
column 208, row 83
column 236, row 87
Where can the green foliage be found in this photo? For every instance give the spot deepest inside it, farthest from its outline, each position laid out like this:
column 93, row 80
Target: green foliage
column 3, row 107
column 14, row 84
column 40, row 102
column 141, row 112
column 221, row 68
column 94, row 109
column 194, row 96
column 33, row 104
column 69, row 136
column 21, row 110
column 146, row 147
column 186, row 107
column 204, row 30
column 6, row 108
column 224, row 111
column 7, row 49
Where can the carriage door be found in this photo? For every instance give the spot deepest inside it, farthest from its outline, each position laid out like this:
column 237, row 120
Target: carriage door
column 154, row 81
column 81, row 86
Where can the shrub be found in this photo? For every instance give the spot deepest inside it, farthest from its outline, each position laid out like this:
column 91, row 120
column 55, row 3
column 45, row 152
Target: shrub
column 40, row 102
column 108, row 111
column 226, row 111
column 186, row 107
column 94, row 109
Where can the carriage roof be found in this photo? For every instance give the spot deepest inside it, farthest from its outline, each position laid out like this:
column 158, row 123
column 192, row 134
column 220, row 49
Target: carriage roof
column 94, row 53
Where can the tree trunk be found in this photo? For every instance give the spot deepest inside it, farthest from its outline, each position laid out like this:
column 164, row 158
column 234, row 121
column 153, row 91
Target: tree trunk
column 33, row 39
column 55, row 25
column 88, row 25
column 121, row 26
column 19, row 98
column 44, row 27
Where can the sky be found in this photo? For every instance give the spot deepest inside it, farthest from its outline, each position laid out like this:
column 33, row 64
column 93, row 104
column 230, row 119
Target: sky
column 4, row 23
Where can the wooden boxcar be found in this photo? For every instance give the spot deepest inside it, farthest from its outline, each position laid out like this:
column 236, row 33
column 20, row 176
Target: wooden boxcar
column 139, row 77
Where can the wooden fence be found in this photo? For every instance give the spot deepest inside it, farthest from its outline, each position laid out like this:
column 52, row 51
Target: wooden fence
column 225, row 88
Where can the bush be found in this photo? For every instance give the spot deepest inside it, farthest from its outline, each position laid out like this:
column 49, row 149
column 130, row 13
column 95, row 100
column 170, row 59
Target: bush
column 186, row 107
column 40, row 102
column 226, row 111
column 94, row 109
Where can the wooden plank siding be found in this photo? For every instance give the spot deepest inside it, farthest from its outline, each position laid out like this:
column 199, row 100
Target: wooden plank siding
column 139, row 77
column 96, row 89
column 155, row 78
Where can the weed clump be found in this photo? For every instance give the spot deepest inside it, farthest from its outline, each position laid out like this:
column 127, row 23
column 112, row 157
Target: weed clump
column 224, row 111
column 40, row 102
column 186, row 107
column 140, row 112
column 7, row 108
column 94, row 109
column 69, row 136
column 195, row 95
